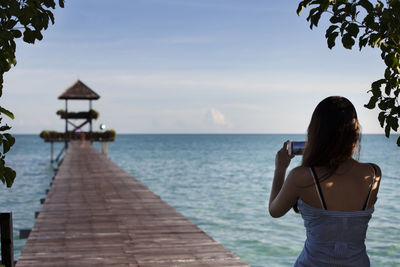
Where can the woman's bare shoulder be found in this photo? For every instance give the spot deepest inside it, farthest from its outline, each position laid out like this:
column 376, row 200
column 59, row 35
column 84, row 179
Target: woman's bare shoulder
column 371, row 167
column 369, row 170
column 300, row 176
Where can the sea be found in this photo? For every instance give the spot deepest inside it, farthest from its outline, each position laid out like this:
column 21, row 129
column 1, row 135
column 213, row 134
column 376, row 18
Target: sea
column 220, row 182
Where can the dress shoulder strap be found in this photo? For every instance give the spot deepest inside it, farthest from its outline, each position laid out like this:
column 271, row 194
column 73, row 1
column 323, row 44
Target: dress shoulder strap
column 318, row 188
column 370, row 190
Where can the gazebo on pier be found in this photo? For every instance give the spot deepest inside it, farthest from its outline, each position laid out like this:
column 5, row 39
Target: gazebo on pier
column 78, row 91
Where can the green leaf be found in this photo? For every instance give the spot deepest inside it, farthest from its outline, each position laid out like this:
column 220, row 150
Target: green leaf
column 11, row 61
column 9, row 175
column 369, row 22
column 392, row 122
column 16, row 33
column 391, row 60
column 38, row 35
column 372, row 102
column 314, row 17
column 51, row 16
column 300, row 9
column 29, row 36
column 367, row 5
column 376, row 87
column 7, row 112
column 37, row 23
column 336, row 19
column 381, row 118
column 395, row 124
column 347, row 41
column 2, row 172
column 388, row 73
column 4, row 128
column 10, row 139
column 396, row 93
column 352, row 11
column 387, row 131
column 331, row 39
column 379, row 6
column 388, row 88
column 6, row 146
column 302, row 5
column 383, row 105
column 362, row 42
column 375, row 39
column 395, row 61
column 324, row 4
column 330, row 30
column 343, row 27
column 10, row 24
column 385, row 48
column 353, row 29
column 49, row 3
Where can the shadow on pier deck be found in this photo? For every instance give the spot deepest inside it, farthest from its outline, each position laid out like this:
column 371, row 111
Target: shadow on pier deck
column 96, row 214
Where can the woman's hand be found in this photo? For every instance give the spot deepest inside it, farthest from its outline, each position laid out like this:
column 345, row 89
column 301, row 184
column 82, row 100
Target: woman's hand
column 282, row 158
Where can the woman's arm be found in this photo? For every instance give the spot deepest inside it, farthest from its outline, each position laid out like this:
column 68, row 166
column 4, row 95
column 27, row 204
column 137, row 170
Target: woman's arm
column 375, row 188
column 284, row 193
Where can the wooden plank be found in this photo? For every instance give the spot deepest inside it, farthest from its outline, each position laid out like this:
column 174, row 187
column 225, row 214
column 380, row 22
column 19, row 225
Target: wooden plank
column 96, row 214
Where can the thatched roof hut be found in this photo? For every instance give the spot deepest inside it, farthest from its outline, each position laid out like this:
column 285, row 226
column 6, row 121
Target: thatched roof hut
column 79, row 91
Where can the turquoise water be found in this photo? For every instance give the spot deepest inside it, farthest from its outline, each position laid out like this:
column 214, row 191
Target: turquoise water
column 220, row 182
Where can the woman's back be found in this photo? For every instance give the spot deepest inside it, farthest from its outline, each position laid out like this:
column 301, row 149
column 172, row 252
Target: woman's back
column 346, row 189
column 336, row 220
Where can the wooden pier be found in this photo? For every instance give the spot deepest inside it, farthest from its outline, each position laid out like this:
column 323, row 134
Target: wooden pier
column 96, row 214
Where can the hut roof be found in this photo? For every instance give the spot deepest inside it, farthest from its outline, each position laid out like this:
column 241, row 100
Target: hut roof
column 79, row 90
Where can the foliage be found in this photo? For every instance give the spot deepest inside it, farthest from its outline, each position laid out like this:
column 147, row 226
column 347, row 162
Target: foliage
column 373, row 24
column 54, row 136
column 7, row 175
column 26, row 19
column 92, row 114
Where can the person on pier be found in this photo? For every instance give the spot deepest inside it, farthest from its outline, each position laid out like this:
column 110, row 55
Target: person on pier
column 334, row 192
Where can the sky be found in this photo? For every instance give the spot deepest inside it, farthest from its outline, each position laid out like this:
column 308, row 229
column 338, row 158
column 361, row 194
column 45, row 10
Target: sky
column 187, row 66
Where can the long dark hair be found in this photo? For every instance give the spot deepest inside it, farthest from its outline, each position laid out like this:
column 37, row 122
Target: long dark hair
column 333, row 134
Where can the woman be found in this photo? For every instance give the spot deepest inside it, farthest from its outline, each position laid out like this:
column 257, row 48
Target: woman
column 334, row 192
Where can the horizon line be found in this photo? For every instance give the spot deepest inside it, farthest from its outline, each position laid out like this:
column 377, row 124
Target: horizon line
column 210, row 133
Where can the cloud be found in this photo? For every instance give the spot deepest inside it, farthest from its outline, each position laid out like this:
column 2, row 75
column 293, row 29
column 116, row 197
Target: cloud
column 216, row 118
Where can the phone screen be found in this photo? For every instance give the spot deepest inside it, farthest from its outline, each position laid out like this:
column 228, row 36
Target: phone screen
column 297, row 148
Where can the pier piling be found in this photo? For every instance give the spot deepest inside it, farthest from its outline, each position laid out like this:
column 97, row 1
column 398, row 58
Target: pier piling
column 7, row 243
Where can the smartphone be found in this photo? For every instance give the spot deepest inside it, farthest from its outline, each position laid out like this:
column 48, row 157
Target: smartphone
column 296, row 147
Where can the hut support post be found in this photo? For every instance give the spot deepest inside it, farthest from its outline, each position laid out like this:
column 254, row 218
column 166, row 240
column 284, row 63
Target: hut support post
column 104, row 148
column 90, row 119
column 51, row 152
column 66, row 123
column 7, row 244
column 59, row 155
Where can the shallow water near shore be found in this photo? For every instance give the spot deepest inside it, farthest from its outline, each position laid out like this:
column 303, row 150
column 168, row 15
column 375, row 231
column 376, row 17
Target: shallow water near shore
column 220, row 182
